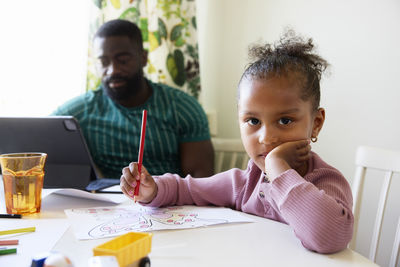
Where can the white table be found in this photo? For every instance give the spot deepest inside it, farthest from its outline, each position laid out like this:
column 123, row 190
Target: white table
column 262, row 243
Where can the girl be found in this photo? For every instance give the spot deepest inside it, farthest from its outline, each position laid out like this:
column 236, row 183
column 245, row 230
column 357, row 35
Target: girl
column 279, row 113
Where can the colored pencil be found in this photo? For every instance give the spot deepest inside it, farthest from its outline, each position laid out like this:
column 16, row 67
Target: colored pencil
column 8, row 242
column 8, row 251
column 16, row 231
column 141, row 148
column 11, row 216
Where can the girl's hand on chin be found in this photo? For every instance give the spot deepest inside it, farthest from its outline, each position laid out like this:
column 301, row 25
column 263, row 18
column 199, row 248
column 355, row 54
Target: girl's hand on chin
column 289, row 155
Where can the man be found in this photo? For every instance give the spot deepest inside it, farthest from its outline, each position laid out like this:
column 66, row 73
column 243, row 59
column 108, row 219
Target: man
column 177, row 133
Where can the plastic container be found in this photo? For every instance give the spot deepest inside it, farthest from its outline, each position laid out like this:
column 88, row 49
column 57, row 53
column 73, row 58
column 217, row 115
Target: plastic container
column 127, row 248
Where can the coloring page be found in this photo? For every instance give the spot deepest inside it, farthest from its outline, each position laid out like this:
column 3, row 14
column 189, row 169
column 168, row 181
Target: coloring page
column 101, row 222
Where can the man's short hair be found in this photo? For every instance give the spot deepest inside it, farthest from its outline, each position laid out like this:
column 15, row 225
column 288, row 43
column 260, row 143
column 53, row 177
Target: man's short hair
column 119, row 27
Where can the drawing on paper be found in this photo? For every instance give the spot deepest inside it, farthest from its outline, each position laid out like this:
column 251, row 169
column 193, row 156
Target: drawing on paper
column 145, row 219
column 105, row 222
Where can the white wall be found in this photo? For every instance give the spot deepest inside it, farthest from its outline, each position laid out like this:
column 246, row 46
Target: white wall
column 359, row 38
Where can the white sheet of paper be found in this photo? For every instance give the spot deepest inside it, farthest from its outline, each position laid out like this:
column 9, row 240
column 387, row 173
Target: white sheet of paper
column 101, row 222
column 113, row 198
column 114, row 188
column 48, row 232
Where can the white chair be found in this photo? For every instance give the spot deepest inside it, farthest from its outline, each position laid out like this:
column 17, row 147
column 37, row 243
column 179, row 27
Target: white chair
column 396, row 247
column 229, row 153
column 389, row 162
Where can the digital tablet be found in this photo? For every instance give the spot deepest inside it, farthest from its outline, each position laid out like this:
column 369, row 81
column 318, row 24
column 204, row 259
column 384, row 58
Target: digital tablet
column 69, row 163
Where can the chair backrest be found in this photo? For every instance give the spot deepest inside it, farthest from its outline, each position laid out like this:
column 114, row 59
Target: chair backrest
column 396, row 246
column 229, row 153
column 387, row 161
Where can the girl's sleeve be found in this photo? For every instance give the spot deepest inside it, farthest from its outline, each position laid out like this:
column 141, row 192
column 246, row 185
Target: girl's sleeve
column 318, row 208
column 221, row 189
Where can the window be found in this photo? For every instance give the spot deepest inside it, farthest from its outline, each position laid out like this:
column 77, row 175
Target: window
column 43, row 52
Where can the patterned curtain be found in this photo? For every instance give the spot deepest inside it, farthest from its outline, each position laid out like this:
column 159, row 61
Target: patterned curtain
column 169, row 35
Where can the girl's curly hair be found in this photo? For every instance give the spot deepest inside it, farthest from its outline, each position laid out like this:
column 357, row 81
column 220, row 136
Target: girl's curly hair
column 291, row 56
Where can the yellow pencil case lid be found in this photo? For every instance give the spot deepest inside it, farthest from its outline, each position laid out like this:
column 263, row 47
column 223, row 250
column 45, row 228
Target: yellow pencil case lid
column 127, row 248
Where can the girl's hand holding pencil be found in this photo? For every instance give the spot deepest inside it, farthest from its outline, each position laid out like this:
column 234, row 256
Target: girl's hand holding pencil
column 135, row 174
column 130, row 180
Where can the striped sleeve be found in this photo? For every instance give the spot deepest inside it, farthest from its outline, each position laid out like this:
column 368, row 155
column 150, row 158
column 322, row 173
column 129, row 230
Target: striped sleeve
column 73, row 107
column 319, row 212
column 192, row 120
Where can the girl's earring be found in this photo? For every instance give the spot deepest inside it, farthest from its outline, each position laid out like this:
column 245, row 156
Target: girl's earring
column 314, row 139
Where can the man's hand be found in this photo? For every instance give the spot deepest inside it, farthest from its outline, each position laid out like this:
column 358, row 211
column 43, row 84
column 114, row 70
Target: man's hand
column 128, row 182
column 289, row 155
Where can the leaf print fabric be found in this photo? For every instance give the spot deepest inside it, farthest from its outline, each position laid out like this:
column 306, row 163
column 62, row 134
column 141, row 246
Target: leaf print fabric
column 169, row 35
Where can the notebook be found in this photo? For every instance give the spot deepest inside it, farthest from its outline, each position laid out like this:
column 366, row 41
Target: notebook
column 69, row 163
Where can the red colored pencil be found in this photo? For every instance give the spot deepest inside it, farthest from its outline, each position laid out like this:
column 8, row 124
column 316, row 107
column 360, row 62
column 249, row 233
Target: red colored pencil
column 9, row 242
column 141, row 148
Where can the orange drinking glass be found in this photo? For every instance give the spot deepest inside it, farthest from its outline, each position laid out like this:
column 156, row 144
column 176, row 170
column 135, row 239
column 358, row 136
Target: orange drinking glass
column 23, row 175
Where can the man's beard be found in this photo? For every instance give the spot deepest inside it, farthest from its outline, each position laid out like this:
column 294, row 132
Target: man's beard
column 131, row 87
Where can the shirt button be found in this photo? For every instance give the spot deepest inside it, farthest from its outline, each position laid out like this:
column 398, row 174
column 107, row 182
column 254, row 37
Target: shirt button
column 266, row 179
column 261, row 194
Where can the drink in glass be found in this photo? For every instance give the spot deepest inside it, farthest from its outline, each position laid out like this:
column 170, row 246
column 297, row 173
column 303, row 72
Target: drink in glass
column 23, row 175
